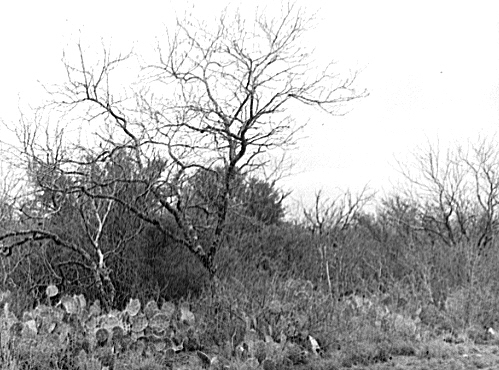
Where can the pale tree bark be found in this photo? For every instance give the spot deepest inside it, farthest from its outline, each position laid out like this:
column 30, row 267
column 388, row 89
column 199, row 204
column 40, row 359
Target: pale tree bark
column 217, row 95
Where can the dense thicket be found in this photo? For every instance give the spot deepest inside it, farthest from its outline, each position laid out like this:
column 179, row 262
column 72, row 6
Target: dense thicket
column 163, row 194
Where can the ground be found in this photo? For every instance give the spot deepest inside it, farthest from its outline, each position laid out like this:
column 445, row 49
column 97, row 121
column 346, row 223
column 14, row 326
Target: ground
column 464, row 356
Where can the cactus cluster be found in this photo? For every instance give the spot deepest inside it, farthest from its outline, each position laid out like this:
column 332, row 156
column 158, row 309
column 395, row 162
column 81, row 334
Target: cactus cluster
column 167, row 329
column 73, row 325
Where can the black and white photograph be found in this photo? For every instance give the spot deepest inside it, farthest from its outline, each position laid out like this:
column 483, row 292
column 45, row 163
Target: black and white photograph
column 234, row 185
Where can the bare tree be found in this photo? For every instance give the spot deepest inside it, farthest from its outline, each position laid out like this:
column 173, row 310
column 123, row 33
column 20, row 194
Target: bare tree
column 452, row 222
column 56, row 212
column 217, row 96
column 330, row 216
column 329, row 220
column 457, row 193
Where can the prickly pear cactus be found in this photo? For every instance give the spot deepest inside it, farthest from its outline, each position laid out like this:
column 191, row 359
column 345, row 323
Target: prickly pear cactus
column 151, row 309
column 159, row 323
column 167, row 329
column 94, row 309
column 168, row 309
column 133, row 307
column 71, row 305
column 139, row 323
column 51, row 291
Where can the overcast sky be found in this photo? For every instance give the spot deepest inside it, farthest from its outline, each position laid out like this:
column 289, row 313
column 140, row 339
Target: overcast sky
column 431, row 68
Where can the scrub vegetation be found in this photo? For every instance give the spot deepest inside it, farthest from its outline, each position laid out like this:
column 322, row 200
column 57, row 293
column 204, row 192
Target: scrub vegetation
column 143, row 226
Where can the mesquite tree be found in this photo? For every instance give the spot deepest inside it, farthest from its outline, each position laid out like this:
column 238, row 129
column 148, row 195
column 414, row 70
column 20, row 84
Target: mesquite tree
column 447, row 216
column 329, row 221
column 216, row 97
column 458, row 194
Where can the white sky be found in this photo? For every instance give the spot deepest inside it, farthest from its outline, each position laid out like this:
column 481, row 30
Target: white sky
column 431, row 68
